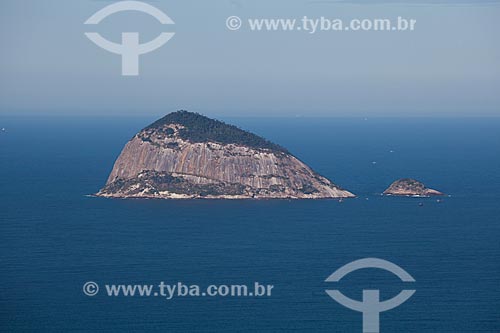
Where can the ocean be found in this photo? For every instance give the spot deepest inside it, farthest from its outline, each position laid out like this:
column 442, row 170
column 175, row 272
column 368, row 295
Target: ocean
column 54, row 237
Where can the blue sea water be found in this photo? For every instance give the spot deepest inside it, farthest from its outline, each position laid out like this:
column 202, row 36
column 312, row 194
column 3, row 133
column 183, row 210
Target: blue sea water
column 54, row 238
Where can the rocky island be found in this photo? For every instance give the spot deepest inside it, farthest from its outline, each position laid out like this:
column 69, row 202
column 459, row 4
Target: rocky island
column 187, row 155
column 410, row 187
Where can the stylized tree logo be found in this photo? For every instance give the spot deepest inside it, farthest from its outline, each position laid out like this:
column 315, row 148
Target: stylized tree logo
column 130, row 49
column 371, row 306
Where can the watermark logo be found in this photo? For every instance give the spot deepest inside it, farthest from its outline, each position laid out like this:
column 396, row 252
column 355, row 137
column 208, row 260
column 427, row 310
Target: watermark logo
column 233, row 23
column 90, row 288
column 130, row 49
column 370, row 306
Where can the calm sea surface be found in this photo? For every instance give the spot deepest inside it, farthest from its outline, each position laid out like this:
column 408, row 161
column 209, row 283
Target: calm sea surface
column 53, row 238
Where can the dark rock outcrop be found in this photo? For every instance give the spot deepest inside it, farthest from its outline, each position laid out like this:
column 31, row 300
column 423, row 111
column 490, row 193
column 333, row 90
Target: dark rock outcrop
column 410, row 187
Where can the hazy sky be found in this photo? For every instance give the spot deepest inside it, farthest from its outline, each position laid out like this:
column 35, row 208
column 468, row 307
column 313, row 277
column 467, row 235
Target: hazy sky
column 449, row 66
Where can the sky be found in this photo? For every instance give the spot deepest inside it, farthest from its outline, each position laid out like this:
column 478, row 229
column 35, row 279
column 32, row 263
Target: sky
column 448, row 66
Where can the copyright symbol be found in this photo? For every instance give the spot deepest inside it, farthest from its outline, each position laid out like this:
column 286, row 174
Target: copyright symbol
column 233, row 23
column 90, row 288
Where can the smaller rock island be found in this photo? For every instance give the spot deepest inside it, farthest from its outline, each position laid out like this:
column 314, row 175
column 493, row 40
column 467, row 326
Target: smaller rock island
column 410, row 187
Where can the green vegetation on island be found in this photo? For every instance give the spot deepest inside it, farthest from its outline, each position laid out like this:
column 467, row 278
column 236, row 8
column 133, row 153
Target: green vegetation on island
column 198, row 128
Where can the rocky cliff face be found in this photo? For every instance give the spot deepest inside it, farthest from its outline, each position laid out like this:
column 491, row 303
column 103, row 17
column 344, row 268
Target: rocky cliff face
column 172, row 159
column 410, row 187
